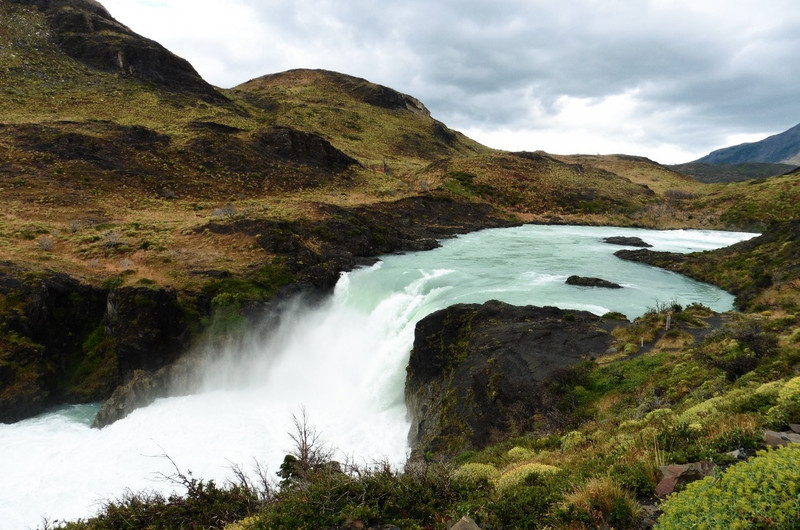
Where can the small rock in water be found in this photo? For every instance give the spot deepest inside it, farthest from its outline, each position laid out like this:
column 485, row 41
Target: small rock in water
column 628, row 241
column 592, row 282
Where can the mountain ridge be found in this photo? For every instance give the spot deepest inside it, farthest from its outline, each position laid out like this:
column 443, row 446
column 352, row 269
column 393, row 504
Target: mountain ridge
column 781, row 148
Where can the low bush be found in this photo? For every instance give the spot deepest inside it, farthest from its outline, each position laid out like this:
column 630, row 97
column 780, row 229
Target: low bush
column 519, row 474
column 204, row 506
column 598, row 503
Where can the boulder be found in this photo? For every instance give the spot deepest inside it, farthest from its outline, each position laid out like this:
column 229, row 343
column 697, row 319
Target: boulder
column 628, row 241
column 584, row 281
column 481, row 372
column 465, row 523
column 777, row 439
column 674, row 475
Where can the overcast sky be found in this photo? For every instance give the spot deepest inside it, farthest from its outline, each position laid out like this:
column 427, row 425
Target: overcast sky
column 667, row 79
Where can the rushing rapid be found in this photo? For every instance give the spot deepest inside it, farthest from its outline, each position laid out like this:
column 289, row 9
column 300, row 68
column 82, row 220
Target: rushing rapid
column 343, row 360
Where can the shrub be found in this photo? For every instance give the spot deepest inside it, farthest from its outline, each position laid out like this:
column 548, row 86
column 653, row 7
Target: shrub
column 46, row 243
column 519, row 474
column 787, row 409
column 600, row 502
column 763, row 492
column 638, row 477
column 205, row 505
column 572, row 440
column 527, row 505
column 473, row 473
column 790, row 391
column 517, row 454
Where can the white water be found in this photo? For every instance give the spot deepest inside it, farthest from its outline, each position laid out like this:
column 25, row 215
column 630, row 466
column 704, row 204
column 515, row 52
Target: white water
column 344, row 360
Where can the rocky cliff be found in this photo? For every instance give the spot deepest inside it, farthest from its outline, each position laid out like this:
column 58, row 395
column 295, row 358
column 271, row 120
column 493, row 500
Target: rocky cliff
column 63, row 341
column 479, row 373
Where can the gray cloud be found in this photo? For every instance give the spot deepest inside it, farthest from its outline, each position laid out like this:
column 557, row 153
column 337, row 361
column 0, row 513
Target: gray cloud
column 694, row 73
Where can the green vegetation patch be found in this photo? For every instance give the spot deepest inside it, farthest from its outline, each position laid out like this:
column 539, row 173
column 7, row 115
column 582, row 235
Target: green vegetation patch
column 763, row 492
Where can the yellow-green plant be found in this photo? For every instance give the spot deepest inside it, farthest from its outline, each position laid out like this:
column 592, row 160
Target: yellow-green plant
column 790, row 391
column 474, row 472
column 572, row 440
column 518, row 474
column 518, row 454
column 787, row 408
column 763, row 492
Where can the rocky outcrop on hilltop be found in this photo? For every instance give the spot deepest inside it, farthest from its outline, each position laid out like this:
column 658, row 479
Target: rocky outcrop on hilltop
column 479, row 373
column 86, row 31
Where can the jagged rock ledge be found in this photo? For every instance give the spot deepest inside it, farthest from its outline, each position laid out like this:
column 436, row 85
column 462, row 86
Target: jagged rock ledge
column 479, row 372
column 64, row 341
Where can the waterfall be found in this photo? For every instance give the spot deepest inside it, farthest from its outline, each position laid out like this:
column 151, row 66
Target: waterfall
column 342, row 359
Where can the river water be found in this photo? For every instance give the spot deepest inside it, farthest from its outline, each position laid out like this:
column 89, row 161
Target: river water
column 343, row 360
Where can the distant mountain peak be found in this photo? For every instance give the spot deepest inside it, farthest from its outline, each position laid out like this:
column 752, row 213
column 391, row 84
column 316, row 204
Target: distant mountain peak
column 782, row 148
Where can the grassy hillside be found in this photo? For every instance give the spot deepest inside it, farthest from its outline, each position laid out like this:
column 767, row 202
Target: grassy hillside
column 386, row 131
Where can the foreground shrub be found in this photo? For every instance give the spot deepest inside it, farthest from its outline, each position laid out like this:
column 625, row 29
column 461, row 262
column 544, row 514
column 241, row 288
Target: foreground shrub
column 528, row 504
column 204, row 506
column 763, row 492
column 787, row 409
column 372, row 496
column 600, row 502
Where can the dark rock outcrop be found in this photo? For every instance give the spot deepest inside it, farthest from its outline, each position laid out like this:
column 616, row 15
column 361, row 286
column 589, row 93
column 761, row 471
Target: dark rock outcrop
column 584, row 281
column 305, row 148
column 44, row 323
column 148, row 326
column 479, row 373
column 628, row 241
column 659, row 259
column 86, row 31
column 63, row 341
column 348, row 237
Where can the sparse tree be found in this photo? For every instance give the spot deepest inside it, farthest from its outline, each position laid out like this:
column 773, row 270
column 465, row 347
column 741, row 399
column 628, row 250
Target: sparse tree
column 309, row 453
